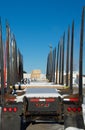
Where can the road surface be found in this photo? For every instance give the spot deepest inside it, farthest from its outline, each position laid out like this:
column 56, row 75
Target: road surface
column 45, row 127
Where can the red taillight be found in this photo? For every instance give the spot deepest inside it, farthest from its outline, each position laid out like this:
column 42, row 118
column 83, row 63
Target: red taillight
column 4, row 109
column 79, row 109
column 69, row 109
column 10, row 109
column 15, row 109
column 74, row 109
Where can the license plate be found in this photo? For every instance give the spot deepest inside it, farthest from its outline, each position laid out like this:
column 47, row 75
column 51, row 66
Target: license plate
column 42, row 105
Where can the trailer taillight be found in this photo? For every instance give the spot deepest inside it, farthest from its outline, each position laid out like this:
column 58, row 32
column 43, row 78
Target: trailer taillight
column 4, row 109
column 69, row 109
column 74, row 109
column 15, row 109
column 79, row 109
column 10, row 109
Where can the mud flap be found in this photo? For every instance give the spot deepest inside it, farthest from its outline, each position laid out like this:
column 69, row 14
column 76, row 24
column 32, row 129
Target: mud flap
column 73, row 118
column 10, row 122
column 73, row 121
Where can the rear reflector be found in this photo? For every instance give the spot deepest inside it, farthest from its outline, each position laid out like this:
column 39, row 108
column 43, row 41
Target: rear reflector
column 42, row 100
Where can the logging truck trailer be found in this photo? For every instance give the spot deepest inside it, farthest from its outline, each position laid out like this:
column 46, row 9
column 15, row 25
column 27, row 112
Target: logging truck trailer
column 32, row 105
column 47, row 105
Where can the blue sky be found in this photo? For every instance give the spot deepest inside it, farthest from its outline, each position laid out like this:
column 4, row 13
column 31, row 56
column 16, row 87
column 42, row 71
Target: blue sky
column 39, row 23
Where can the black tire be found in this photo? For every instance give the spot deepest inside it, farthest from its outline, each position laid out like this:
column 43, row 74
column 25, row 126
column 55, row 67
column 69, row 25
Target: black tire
column 25, row 104
column 24, row 123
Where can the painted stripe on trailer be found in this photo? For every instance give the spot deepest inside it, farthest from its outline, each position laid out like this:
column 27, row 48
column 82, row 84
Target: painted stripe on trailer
column 42, row 99
column 66, row 99
column 71, row 99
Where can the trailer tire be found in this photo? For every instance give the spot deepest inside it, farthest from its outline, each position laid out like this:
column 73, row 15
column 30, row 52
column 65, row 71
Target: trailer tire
column 25, row 105
column 24, row 123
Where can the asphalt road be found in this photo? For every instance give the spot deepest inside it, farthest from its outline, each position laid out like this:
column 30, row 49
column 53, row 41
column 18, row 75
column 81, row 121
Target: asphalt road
column 13, row 123
column 45, row 127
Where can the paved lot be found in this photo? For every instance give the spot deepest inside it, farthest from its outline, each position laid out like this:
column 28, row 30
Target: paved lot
column 46, row 127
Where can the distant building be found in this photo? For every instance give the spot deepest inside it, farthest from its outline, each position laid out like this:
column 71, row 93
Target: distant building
column 35, row 75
